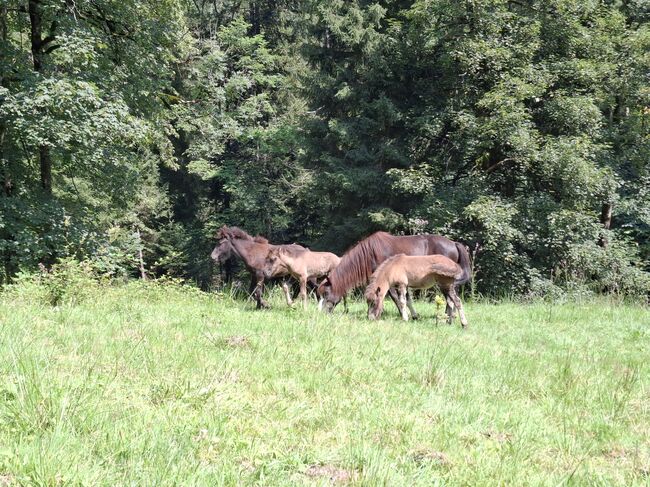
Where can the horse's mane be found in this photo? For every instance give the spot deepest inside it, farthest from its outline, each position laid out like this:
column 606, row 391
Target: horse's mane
column 238, row 233
column 369, row 294
column 358, row 262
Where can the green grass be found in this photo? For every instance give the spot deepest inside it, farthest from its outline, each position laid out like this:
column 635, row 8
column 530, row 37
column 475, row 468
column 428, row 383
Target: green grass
column 153, row 385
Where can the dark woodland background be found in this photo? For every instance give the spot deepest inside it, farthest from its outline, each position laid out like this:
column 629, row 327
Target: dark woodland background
column 130, row 130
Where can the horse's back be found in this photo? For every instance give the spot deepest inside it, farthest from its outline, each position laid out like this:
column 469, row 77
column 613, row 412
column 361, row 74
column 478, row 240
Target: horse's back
column 421, row 271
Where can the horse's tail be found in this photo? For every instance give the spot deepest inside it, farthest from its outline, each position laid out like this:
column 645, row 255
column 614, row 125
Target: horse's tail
column 465, row 264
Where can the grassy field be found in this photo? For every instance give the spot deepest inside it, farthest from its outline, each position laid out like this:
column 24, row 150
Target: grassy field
column 154, row 385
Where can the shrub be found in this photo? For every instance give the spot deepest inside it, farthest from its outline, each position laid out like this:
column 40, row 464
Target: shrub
column 67, row 282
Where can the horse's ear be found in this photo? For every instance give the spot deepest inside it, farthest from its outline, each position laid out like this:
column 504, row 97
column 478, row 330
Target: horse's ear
column 222, row 232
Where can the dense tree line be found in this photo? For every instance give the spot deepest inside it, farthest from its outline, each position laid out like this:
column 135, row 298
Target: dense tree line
column 131, row 130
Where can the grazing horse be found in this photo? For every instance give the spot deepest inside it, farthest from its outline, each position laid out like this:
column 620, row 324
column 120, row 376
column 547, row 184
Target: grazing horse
column 253, row 252
column 301, row 264
column 418, row 272
column 361, row 260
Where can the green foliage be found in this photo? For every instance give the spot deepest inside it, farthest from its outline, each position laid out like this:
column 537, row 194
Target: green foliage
column 68, row 282
column 509, row 126
column 39, row 230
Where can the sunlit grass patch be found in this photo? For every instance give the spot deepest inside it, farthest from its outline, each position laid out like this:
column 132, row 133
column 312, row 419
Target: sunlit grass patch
column 153, row 384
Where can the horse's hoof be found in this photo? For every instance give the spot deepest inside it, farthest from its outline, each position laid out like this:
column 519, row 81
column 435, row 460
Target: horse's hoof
column 415, row 317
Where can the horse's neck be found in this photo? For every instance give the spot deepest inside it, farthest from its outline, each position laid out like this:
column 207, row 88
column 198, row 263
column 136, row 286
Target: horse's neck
column 287, row 260
column 381, row 281
column 244, row 250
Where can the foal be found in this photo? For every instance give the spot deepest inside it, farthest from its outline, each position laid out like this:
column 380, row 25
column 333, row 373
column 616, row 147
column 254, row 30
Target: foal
column 301, row 264
column 419, row 272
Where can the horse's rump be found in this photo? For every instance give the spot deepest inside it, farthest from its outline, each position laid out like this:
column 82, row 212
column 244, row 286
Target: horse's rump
column 446, row 267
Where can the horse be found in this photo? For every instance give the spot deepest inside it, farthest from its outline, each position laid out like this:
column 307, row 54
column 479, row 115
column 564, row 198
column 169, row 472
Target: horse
column 253, row 252
column 301, row 264
column 418, row 272
column 360, row 261
column 224, row 254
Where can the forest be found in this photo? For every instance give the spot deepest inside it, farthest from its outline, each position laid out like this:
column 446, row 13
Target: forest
column 132, row 130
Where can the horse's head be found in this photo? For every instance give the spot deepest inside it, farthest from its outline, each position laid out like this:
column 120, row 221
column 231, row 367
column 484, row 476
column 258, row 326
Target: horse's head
column 273, row 264
column 328, row 298
column 375, row 303
column 223, row 251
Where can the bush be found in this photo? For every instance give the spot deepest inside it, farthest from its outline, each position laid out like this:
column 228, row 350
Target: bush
column 614, row 269
column 67, row 282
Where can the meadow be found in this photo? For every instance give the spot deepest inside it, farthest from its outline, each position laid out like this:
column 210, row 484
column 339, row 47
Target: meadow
column 159, row 384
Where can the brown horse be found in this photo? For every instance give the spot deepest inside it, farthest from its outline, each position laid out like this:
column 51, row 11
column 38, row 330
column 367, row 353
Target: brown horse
column 253, row 252
column 360, row 261
column 418, row 272
column 301, row 264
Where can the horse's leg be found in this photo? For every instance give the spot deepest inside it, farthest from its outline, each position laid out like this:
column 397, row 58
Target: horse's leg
column 303, row 291
column 287, row 293
column 402, row 302
column 449, row 309
column 254, row 289
column 259, row 290
column 314, row 283
column 409, row 302
column 459, row 305
column 296, row 292
column 392, row 292
column 251, row 288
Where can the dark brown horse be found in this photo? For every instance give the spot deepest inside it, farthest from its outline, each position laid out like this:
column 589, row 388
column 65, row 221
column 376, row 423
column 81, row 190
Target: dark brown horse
column 360, row 261
column 253, row 251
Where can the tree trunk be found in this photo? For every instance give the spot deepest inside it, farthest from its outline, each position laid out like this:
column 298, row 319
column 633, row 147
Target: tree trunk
column 37, row 45
column 7, row 184
column 606, row 222
column 46, row 168
column 254, row 18
column 143, row 273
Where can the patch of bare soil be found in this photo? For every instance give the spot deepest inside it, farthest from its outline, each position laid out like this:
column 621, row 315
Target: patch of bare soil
column 431, row 456
column 237, row 341
column 616, row 453
column 497, row 436
column 6, row 480
column 335, row 475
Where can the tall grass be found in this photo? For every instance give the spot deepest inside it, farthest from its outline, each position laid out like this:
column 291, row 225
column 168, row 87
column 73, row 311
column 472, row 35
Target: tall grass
column 149, row 384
